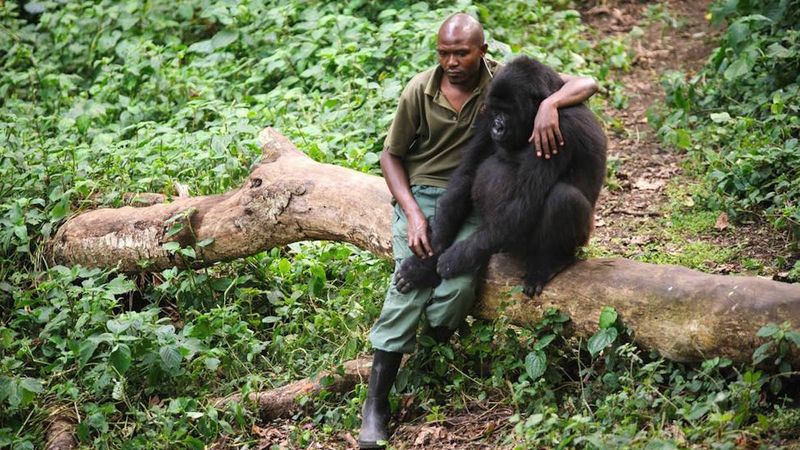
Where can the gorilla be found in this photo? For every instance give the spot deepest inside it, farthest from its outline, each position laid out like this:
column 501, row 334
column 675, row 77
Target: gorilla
column 540, row 210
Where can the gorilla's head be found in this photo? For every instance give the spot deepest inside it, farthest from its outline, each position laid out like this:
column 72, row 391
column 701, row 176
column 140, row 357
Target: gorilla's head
column 513, row 99
column 510, row 116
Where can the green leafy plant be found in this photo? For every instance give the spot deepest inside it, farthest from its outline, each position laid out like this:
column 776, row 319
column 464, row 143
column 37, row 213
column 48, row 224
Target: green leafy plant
column 740, row 116
column 607, row 334
column 103, row 98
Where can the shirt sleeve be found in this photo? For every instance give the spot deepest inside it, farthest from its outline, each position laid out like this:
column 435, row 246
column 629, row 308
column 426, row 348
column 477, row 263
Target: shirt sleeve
column 405, row 124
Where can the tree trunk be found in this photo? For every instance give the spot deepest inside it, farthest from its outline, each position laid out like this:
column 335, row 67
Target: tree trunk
column 684, row 314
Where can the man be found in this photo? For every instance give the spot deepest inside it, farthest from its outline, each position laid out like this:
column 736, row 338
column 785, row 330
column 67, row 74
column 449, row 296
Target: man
column 432, row 125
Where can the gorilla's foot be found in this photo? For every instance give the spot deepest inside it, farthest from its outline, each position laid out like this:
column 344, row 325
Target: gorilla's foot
column 454, row 261
column 535, row 280
column 533, row 287
column 415, row 273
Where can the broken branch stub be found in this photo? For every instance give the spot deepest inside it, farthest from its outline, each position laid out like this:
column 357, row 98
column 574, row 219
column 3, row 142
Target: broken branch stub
column 287, row 198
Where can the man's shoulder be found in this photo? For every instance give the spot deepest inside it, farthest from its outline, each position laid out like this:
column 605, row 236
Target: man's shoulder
column 420, row 81
column 492, row 64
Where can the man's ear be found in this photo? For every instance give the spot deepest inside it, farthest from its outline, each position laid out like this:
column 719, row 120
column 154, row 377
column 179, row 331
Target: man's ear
column 484, row 48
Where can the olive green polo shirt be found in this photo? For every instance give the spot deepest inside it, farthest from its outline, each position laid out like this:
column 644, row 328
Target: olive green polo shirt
column 427, row 132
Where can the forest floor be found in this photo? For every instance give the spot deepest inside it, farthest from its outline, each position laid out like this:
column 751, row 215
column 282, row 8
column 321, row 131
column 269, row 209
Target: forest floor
column 634, row 219
column 650, row 209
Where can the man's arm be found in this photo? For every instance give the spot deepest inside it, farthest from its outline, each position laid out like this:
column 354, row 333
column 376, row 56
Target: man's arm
column 546, row 132
column 394, row 172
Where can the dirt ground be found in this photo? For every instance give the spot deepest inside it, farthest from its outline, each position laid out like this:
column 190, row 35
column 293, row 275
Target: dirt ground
column 627, row 217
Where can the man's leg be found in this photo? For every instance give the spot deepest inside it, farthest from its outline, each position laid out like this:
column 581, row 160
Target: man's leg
column 452, row 300
column 396, row 328
column 394, row 333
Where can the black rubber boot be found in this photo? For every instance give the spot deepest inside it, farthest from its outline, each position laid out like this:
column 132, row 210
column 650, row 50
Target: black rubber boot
column 440, row 334
column 375, row 415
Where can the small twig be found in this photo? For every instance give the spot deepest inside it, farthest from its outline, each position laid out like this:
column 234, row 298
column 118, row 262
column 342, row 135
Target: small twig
column 637, row 213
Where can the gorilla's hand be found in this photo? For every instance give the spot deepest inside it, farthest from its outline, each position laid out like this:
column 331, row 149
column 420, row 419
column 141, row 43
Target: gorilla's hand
column 415, row 273
column 454, row 261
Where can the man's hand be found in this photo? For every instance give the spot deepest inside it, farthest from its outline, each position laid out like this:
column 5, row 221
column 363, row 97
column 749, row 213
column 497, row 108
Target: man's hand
column 546, row 136
column 418, row 235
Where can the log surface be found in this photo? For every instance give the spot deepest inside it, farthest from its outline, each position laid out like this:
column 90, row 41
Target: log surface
column 684, row 314
column 283, row 401
column 60, row 431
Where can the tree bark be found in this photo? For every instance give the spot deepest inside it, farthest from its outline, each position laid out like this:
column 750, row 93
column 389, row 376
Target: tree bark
column 287, row 198
column 683, row 314
column 60, row 432
column 283, row 401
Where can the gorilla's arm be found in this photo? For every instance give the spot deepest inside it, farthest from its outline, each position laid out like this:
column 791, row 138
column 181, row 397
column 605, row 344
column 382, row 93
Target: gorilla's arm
column 471, row 253
column 456, row 203
column 452, row 209
column 546, row 136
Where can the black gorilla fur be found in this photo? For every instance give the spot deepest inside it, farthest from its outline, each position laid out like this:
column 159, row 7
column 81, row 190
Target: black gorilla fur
column 537, row 209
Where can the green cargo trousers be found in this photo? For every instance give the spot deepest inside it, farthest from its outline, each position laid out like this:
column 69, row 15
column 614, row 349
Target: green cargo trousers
column 445, row 305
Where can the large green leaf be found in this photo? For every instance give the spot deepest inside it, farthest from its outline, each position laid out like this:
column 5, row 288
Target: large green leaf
column 535, row 364
column 121, row 358
column 608, row 316
column 602, row 339
column 120, row 285
column 86, row 350
column 739, row 68
column 224, row 38
column 170, row 357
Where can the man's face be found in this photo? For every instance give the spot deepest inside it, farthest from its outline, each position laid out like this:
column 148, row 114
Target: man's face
column 459, row 57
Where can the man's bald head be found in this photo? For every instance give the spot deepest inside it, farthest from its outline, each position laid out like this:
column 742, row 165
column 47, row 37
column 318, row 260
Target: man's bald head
column 462, row 27
column 461, row 48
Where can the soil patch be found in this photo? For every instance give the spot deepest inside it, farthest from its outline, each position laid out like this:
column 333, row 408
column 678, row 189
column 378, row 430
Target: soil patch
column 631, row 218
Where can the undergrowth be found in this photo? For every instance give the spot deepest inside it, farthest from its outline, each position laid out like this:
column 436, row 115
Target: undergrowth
column 739, row 118
column 102, row 98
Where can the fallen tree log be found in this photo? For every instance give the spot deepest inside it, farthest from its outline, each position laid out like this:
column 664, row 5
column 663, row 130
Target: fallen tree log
column 283, row 401
column 60, row 431
column 287, row 198
column 684, row 314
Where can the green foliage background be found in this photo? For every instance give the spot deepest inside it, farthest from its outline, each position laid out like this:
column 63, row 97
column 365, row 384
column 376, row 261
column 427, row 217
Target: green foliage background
column 107, row 97
column 740, row 117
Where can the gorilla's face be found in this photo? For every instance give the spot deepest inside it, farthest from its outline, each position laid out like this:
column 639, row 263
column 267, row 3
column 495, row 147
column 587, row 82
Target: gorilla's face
column 510, row 117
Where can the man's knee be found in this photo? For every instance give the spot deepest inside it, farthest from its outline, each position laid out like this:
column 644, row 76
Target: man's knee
column 452, row 301
column 458, row 288
column 396, row 328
